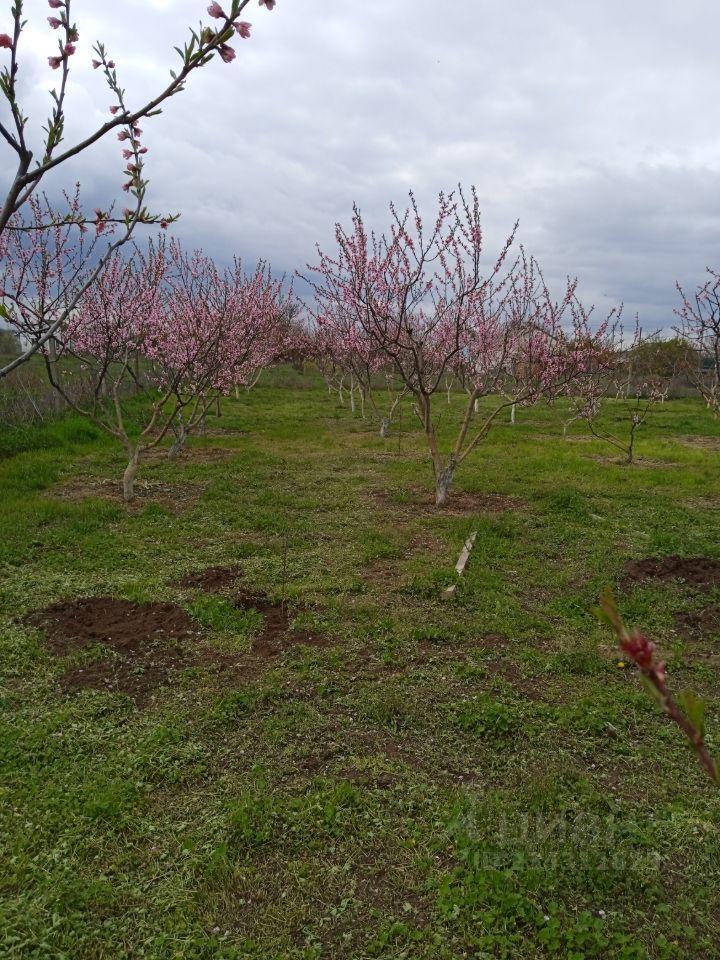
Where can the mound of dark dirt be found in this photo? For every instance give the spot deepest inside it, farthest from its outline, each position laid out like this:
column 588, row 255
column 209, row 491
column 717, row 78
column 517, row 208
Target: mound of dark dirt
column 119, row 624
column 698, row 623
column 697, row 571
column 277, row 633
column 212, row 579
column 146, row 642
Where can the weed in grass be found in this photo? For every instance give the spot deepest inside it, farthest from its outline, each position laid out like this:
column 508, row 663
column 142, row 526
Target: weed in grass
column 487, row 718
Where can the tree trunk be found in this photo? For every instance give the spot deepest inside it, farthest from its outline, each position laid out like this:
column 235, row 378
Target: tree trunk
column 180, row 432
column 136, row 370
column 57, row 401
column 385, row 428
column 512, row 414
column 129, row 476
column 476, row 405
column 444, row 482
column 631, row 447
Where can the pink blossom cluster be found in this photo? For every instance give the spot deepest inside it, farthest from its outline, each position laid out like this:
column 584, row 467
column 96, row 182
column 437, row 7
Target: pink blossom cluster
column 338, row 342
column 202, row 328
column 641, row 651
column 66, row 46
column 242, row 28
column 44, row 261
column 416, row 298
column 116, row 315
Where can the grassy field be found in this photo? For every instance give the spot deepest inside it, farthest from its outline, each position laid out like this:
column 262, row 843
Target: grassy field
column 424, row 777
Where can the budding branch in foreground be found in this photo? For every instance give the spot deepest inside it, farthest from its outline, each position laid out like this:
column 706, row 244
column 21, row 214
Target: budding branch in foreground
column 689, row 714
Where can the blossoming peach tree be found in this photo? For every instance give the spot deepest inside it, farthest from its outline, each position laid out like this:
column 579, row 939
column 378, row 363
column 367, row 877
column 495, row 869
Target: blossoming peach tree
column 699, row 316
column 44, row 265
column 33, row 162
column 240, row 321
column 348, row 358
column 421, row 296
column 198, row 330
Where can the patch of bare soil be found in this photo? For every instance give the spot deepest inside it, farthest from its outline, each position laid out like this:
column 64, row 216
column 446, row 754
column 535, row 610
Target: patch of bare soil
column 365, row 778
column 703, row 503
column 146, row 642
column 277, row 634
column 705, row 443
column 700, row 623
column 637, row 462
column 385, row 569
column 697, row 571
column 173, row 496
column 316, row 762
column 229, row 668
column 224, row 431
column 490, row 641
column 459, row 503
column 118, row 624
column 212, row 579
column 207, row 454
column 527, row 687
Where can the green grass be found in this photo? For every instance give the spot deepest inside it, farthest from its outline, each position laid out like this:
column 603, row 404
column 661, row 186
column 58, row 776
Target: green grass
column 473, row 777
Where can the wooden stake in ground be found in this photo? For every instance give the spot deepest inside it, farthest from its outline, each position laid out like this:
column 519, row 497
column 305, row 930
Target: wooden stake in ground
column 462, row 560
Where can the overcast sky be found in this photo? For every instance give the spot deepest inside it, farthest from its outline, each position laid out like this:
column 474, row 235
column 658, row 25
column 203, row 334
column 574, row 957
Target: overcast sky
column 591, row 123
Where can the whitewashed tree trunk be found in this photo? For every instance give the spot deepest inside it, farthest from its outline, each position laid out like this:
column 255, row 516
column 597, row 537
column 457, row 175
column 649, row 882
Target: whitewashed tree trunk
column 130, row 474
column 180, row 431
column 444, row 482
column 512, row 414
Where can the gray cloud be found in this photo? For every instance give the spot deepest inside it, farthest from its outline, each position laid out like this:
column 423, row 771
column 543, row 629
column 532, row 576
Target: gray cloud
column 590, row 124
